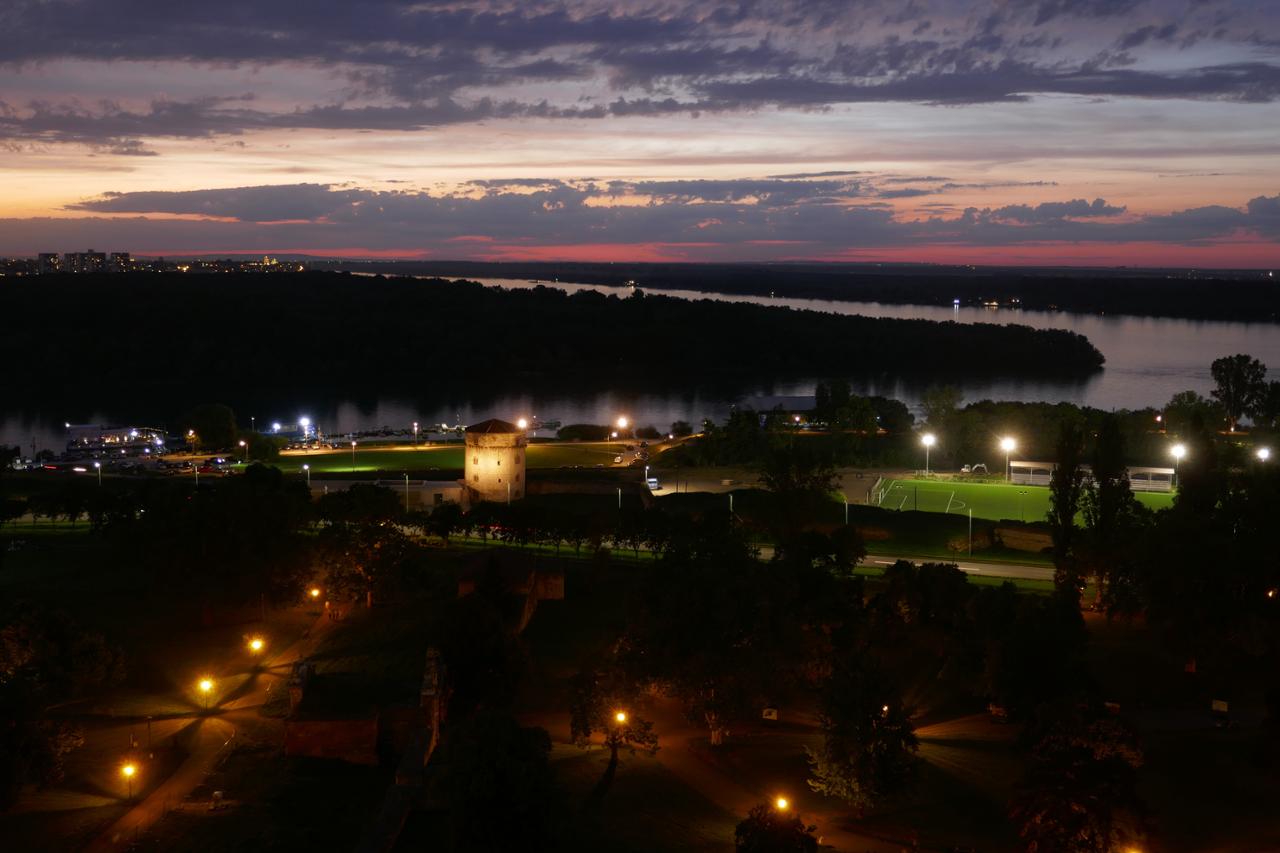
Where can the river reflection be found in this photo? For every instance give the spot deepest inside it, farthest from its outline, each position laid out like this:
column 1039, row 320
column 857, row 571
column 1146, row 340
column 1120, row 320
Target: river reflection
column 1148, row 361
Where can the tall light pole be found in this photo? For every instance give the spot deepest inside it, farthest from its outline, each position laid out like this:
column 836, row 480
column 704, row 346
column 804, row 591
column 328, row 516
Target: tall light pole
column 1177, row 451
column 415, row 433
column 206, row 687
column 928, row 440
column 353, row 456
column 406, row 492
column 244, row 452
column 1007, row 444
column 306, row 469
column 98, row 467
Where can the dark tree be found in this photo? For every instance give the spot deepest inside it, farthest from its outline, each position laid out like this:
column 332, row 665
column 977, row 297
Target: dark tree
column 210, row 426
column 868, row 748
column 1065, row 489
column 604, row 702
column 1240, row 383
column 1079, row 793
column 768, row 829
column 1114, row 521
column 499, row 788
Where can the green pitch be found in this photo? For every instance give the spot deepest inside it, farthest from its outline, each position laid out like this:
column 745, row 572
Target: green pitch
column 444, row 457
column 994, row 501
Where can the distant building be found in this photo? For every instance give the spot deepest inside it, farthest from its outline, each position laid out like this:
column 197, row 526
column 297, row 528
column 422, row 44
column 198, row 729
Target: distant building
column 84, row 262
column 89, row 438
column 121, row 262
column 495, row 462
column 48, row 263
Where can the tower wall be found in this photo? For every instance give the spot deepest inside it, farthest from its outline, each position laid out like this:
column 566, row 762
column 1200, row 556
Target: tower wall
column 495, row 461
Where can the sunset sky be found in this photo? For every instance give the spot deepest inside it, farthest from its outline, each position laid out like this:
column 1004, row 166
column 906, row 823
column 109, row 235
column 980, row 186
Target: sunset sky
column 1142, row 132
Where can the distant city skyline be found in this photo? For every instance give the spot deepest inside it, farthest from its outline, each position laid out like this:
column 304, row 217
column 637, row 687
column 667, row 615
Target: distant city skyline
column 1097, row 132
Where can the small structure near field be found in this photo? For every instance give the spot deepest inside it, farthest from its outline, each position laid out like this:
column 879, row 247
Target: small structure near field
column 494, row 469
column 1141, row 478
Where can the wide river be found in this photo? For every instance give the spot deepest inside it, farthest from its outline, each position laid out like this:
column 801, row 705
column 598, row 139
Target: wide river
column 1148, row 360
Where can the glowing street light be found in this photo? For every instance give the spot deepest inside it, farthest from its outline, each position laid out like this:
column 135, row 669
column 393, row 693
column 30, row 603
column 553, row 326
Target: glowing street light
column 1177, row 451
column 1008, row 445
column 314, row 592
column 244, row 449
column 523, row 423
column 257, row 644
column 306, row 469
column 415, row 433
column 128, row 771
column 622, row 422
column 1263, row 454
column 353, row 455
column 620, row 717
column 98, row 467
column 928, row 440
column 206, row 687
column 781, row 804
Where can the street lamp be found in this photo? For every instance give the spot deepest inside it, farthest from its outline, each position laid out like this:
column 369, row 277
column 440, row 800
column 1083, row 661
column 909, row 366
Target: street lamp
column 620, row 717
column 257, row 644
column 1007, row 444
column 622, row 422
column 314, row 592
column 128, row 771
column 206, row 687
column 928, row 440
column 1263, row 454
column 1178, row 451
column 523, row 423
column 98, row 467
column 306, row 469
column 781, row 804
column 353, row 456
column 415, row 433
column 244, row 450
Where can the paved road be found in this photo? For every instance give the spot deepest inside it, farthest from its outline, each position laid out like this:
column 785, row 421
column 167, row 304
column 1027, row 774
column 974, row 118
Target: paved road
column 972, row 567
column 210, row 736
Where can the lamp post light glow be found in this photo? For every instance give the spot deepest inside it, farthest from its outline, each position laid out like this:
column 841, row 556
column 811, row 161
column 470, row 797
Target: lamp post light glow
column 1177, row 451
column 781, row 804
column 314, row 592
column 353, row 455
column 1263, row 454
column 622, row 422
column 98, row 467
column 244, row 450
column 415, row 433
column 928, row 440
column 257, row 644
column 1007, row 445
column 523, row 423
column 128, row 771
column 206, row 687
column 620, row 717
column 306, row 469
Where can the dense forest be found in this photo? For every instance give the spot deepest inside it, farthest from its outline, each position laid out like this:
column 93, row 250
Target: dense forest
column 190, row 338
column 1250, row 296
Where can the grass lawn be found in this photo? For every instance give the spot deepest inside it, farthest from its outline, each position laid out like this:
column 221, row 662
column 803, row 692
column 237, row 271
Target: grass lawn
column 444, row 457
column 647, row 808
column 993, row 501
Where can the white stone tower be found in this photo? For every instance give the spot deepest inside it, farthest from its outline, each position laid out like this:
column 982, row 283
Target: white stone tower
column 494, row 467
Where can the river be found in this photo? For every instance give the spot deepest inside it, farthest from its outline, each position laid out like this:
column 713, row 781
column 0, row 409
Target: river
column 1149, row 359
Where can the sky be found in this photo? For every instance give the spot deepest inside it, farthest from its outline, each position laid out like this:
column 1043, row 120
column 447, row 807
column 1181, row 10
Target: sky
column 1090, row 132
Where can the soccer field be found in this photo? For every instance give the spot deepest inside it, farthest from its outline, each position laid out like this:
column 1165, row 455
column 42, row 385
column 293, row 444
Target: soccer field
column 993, row 501
column 444, row 457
